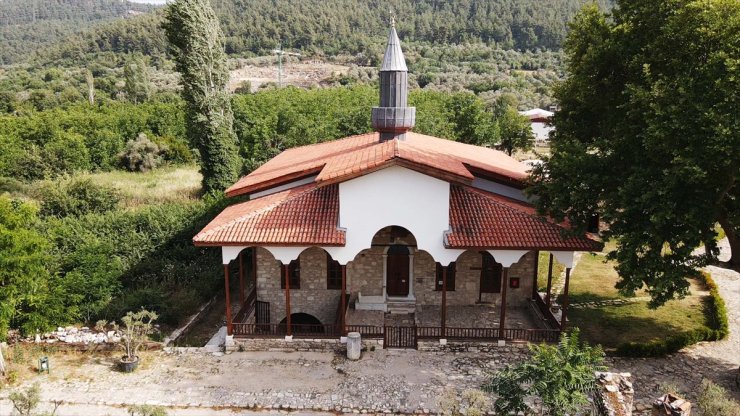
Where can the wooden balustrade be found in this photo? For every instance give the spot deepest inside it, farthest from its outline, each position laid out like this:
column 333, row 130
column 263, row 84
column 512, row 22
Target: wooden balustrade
column 422, row 332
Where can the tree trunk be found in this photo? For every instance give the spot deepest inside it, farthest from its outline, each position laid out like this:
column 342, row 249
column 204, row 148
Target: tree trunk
column 2, row 363
column 734, row 240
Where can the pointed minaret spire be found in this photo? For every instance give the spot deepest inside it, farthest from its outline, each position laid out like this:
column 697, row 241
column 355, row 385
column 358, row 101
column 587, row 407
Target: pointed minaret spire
column 393, row 118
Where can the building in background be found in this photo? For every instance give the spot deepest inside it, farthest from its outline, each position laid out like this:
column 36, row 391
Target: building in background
column 541, row 126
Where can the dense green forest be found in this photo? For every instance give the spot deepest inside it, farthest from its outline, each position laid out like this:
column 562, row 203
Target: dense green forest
column 26, row 25
column 314, row 26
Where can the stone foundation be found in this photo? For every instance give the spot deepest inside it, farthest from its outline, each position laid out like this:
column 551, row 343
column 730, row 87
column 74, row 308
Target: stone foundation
column 614, row 395
column 298, row 344
column 471, row 346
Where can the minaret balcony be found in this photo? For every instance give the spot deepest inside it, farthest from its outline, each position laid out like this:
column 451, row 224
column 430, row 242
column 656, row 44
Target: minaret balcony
column 393, row 118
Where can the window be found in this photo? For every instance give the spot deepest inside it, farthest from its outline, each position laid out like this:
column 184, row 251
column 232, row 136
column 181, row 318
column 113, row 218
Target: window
column 490, row 274
column 294, row 274
column 450, row 277
column 333, row 274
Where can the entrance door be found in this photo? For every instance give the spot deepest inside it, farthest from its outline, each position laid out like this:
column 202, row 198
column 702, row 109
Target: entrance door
column 397, row 269
column 490, row 274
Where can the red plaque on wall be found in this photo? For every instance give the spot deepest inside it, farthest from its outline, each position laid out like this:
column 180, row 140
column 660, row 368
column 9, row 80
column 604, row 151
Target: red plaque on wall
column 514, row 283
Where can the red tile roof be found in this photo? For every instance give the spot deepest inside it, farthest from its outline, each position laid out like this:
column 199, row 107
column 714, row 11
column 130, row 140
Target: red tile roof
column 343, row 159
column 307, row 215
column 480, row 219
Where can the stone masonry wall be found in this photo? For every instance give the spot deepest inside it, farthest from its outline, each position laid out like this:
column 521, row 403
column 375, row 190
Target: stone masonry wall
column 312, row 298
column 297, row 344
column 467, row 281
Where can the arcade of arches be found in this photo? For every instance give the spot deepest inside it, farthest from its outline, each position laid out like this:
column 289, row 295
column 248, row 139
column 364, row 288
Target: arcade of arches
column 391, row 278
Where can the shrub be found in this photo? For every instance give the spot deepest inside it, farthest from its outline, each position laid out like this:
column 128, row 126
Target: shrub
column 147, row 410
column 76, row 196
column 717, row 328
column 141, row 154
column 66, row 153
column 714, row 400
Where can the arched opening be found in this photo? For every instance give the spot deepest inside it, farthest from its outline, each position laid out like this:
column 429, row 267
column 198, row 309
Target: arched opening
column 302, row 323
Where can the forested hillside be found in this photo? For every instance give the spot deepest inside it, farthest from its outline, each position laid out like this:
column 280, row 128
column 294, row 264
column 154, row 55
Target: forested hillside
column 339, row 26
column 29, row 24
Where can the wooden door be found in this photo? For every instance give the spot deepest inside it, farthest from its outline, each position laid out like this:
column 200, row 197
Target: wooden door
column 490, row 274
column 397, row 270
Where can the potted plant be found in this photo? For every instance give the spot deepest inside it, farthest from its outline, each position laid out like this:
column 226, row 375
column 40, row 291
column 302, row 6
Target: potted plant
column 135, row 331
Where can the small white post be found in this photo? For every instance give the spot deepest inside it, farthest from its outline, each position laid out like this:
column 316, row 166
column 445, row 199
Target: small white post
column 2, row 361
column 354, row 346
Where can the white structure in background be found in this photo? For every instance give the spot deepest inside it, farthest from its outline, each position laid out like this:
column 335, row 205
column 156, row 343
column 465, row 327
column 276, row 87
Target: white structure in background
column 540, row 120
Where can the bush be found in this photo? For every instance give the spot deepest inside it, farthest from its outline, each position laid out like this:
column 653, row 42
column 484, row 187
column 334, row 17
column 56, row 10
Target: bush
column 714, row 400
column 717, row 328
column 75, row 197
column 141, row 154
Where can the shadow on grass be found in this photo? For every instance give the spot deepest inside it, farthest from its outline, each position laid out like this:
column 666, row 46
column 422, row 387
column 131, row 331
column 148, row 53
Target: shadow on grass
column 611, row 326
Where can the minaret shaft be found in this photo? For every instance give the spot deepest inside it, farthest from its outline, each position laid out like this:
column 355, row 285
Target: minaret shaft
column 393, row 117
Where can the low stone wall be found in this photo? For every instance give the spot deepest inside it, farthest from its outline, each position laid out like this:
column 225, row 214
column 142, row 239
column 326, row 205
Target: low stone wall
column 471, row 346
column 297, row 344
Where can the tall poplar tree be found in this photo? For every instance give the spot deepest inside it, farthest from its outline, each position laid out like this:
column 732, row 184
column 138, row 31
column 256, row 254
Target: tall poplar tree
column 198, row 43
column 648, row 136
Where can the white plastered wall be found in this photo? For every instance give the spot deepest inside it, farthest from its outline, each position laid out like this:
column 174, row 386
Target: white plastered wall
column 394, row 196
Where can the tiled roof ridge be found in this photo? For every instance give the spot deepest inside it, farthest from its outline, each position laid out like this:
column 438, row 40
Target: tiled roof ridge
column 309, row 188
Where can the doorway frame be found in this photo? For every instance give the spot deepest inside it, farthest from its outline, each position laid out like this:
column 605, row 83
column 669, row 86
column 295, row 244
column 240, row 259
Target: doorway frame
column 410, row 297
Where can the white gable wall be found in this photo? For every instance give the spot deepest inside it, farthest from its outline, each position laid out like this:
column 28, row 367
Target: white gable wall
column 394, row 196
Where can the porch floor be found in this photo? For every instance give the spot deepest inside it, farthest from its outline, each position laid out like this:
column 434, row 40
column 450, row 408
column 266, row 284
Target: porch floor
column 476, row 316
column 469, row 316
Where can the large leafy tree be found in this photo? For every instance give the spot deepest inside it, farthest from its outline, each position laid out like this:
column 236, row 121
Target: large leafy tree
column 194, row 32
column 647, row 136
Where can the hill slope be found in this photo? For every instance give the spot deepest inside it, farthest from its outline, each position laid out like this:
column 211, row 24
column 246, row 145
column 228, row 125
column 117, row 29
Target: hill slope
column 26, row 25
column 345, row 26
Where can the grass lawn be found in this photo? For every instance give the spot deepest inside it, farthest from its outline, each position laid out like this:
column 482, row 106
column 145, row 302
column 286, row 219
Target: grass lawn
column 167, row 184
column 635, row 322
column 544, row 263
column 593, row 279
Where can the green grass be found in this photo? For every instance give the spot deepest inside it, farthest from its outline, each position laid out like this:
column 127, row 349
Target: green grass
column 543, row 265
column 167, row 184
column 593, row 279
column 635, row 322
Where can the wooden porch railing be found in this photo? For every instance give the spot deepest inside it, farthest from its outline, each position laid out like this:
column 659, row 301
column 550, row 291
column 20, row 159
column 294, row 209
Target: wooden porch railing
column 422, row 332
column 248, row 307
column 547, row 314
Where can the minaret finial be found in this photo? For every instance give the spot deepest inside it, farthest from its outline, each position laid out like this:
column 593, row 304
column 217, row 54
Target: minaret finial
column 393, row 117
column 393, row 18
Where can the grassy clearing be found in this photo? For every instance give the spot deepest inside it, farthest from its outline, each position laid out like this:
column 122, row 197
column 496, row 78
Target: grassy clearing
column 635, row 322
column 168, row 184
column 593, row 279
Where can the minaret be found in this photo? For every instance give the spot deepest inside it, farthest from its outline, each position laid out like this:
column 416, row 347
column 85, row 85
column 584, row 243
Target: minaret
column 393, row 118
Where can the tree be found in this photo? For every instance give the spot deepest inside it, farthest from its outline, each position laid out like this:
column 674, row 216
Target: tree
column 136, row 77
column 30, row 297
column 193, row 30
column 515, row 130
column 647, row 137
column 560, row 376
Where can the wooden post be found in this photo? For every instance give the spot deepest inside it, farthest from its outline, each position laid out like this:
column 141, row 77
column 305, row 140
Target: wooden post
column 564, row 316
column 229, row 328
column 548, row 301
column 286, row 276
column 254, row 266
column 444, row 301
column 504, row 285
column 344, row 300
column 536, row 274
column 241, row 279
